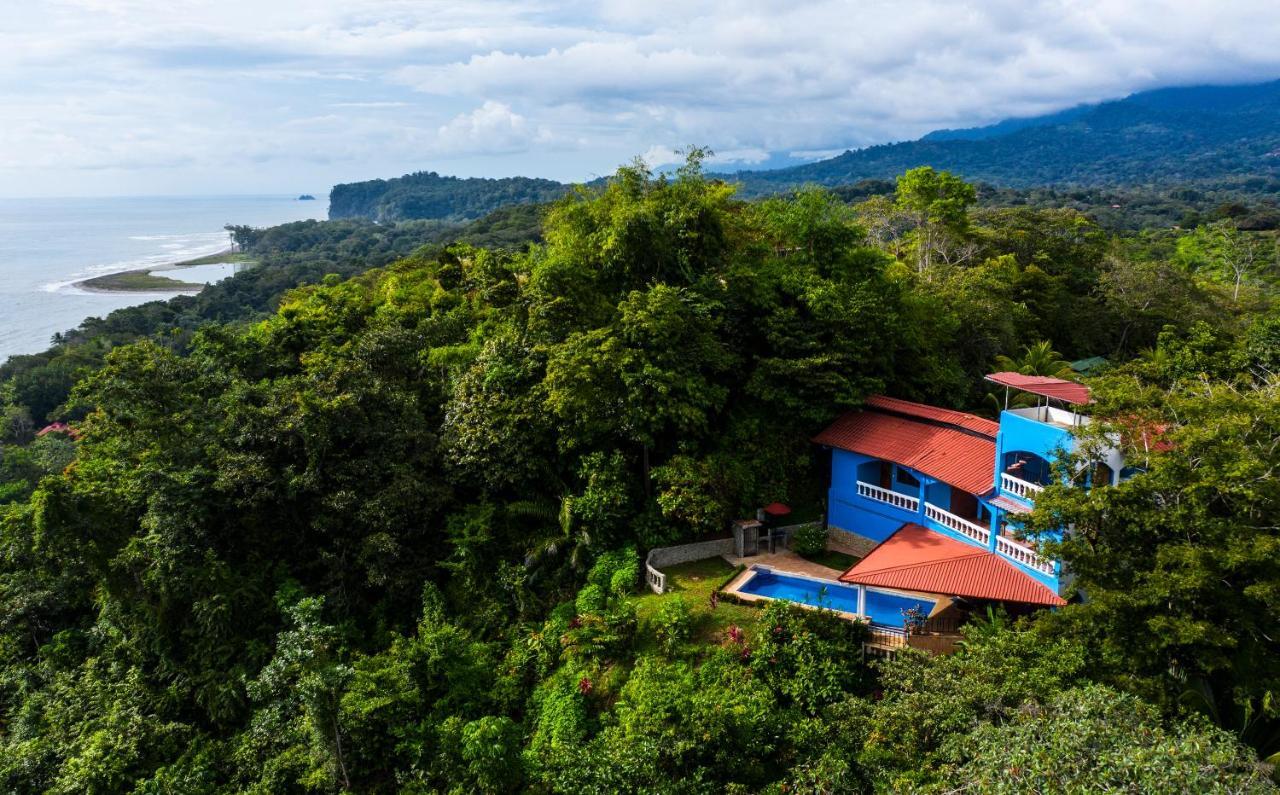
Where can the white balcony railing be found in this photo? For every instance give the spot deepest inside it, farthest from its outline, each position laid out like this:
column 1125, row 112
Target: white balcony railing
column 1019, row 487
column 964, row 527
column 889, row 497
column 1023, row 554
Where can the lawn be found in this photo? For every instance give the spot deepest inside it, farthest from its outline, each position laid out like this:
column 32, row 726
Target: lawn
column 832, row 559
column 694, row 583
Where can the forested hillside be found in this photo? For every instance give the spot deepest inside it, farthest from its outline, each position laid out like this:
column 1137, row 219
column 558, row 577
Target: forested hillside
column 427, row 195
column 288, row 256
column 387, row 535
column 1220, row 136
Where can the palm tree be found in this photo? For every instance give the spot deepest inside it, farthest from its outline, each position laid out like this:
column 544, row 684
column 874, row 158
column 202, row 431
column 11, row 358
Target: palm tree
column 1037, row 359
column 563, row 536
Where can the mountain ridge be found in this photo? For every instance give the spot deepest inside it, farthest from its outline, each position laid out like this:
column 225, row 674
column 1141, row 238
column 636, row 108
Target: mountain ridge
column 1226, row 135
column 1164, row 136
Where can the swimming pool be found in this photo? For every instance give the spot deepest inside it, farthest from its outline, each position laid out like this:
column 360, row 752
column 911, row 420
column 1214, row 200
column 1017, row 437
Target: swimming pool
column 882, row 607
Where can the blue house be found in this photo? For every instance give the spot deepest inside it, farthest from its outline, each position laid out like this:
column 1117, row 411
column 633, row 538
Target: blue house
column 932, row 496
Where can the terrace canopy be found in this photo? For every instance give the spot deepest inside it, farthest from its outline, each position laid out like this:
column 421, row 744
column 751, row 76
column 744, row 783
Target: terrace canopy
column 1044, row 386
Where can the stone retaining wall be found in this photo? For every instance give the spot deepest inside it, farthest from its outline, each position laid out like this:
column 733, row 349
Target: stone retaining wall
column 848, row 542
column 662, row 557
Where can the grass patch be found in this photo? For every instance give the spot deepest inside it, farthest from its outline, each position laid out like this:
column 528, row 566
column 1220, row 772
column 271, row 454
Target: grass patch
column 694, row 582
column 138, row 281
column 221, row 258
column 832, row 559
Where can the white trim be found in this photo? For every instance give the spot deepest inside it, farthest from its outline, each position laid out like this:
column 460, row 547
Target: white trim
column 964, row 527
column 1023, row 554
column 888, row 497
column 1023, row 489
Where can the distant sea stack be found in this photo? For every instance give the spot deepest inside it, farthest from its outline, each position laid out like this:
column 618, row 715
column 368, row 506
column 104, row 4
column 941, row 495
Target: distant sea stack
column 306, row 197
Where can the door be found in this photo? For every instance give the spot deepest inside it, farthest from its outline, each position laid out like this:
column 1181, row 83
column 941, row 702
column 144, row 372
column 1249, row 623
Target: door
column 964, row 504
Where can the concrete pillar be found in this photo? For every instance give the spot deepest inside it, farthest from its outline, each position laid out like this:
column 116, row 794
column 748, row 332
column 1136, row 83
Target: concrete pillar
column 862, row 600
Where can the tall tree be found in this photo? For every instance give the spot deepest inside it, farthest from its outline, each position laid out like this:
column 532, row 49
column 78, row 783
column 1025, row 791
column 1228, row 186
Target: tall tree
column 937, row 203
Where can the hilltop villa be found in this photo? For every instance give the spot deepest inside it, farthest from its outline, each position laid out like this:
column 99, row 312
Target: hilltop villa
column 930, row 497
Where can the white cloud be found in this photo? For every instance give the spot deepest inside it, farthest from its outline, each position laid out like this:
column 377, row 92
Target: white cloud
column 657, row 156
column 260, row 94
column 492, row 128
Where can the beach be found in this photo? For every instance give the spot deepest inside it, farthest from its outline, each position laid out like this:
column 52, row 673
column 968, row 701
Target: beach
column 65, row 260
column 188, row 276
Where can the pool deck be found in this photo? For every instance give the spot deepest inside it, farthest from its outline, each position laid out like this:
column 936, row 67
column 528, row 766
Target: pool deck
column 787, row 561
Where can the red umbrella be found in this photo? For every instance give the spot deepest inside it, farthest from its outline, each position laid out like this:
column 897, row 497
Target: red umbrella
column 776, row 509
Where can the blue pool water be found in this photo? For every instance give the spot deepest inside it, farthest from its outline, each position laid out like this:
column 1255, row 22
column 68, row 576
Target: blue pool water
column 883, row 608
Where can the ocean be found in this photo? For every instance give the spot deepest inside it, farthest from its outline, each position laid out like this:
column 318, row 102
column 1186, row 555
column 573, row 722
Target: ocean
column 47, row 245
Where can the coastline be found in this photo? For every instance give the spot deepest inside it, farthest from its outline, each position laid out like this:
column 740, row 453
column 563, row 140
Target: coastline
column 145, row 280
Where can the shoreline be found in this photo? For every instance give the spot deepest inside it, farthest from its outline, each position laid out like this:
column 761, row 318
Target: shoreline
column 145, row 280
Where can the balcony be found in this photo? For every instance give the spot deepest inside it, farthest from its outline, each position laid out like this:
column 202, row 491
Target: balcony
column 1022, row 489
column 966, row 528
column 1020, row 553
column 888, row 497
column 975, row 532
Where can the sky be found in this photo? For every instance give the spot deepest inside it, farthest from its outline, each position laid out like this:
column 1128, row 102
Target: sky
column 138, row 97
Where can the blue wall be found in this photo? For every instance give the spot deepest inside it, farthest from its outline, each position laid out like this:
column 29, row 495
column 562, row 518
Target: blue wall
column 847, row 511
column 877, row 521
column 1021, row 434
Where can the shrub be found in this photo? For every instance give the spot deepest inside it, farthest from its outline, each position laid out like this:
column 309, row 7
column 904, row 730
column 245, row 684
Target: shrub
column 673, row 625
column 590, row 599
column 616, row 572
column 600, row 635
column 809, row 540
column 810, row 658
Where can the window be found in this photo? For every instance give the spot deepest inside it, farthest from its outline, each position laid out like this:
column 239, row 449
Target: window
column 1129, row 472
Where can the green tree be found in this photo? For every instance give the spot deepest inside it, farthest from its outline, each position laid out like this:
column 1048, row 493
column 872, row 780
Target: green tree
column 1222, row 252
column 296, row 735
column 1178, row 560
column 937, row 204
column 1094, row 740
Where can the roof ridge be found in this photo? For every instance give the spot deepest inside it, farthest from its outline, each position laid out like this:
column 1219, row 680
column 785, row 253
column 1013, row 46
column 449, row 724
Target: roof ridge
column 976, row 553
column 962, row 421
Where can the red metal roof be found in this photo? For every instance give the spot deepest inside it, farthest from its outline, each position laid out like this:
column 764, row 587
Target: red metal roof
column 954, row 454
column 917, row 559
column 59, row 427
column 1056, row 388
column 1144, row 434
column 1009, row 504
column 948, row 416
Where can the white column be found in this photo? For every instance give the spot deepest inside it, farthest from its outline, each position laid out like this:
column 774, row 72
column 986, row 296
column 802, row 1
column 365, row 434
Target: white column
column 862, row 600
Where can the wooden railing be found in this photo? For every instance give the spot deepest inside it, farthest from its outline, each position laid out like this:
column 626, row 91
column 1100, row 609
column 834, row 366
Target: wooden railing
column 1023, row 554
column 886, row 643
column 1019, row 487
column 964, row 527
column 889, row 497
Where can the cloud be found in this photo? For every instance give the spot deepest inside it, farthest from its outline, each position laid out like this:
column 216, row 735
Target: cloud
column 268, row 93
column 492, row 128
column 370, row 104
